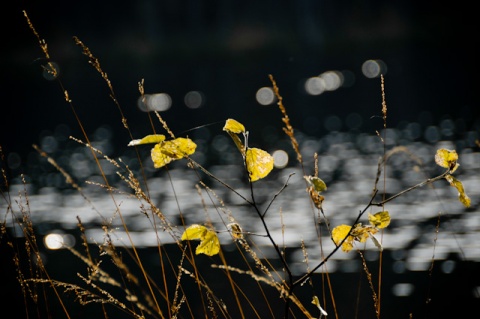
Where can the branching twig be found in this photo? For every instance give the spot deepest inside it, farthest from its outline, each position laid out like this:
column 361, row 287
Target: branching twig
column 277, row 194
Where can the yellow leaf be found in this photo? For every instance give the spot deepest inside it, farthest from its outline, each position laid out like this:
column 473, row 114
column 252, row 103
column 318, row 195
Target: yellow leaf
column 259, row 163
column 194, row 231
column 362, row 233
column 236, row 231
column 233, row 126
column 447, row 158
column 462, row 197
column 237, row 142
column 380, row 219
column 209, row 245
column 339, row 233
column 149, row 139
column 165, row 152
column 318, row 184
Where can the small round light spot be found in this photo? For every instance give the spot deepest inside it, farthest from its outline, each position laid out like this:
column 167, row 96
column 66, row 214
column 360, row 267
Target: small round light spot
column 374, row 68
column 194, row 99
column 154, row 102
column 280, row 158
column 315, row 85
column 56, row 241
column 53, row 241
column 265, row 96
column 403, row 289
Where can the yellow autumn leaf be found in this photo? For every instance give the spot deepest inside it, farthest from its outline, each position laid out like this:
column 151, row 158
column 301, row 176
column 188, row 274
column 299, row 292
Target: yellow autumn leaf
column 209, row 243
column 236, row 231
column 233, row 126
column 339, row 233
column 447, row 159
column 361, row 233
column 317, row 183
column 149, row 139
column 462, row 197
column 380, row 219
column 194, row 231
column 168, row 151
column 237, row 142
column 259, row 163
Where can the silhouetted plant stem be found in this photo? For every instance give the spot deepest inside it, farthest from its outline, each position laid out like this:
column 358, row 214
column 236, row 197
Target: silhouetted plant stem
column 425, row 182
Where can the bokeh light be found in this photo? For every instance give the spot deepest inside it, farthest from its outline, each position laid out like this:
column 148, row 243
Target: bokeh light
column 49, row 144
column 432, row 134
column 332, row 123
column 403, row 289
column 194, row 99
column 265, row 96
column 280, row 158
column 57, row 240
column 154, row 102
column 448, row 266
column 328, row 81
column 332, row 80
column 314, row 85
column 374, row 68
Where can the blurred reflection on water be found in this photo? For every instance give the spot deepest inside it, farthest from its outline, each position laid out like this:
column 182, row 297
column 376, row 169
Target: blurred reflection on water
column 348, row 163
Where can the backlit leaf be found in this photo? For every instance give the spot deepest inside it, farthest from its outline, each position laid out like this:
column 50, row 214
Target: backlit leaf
column 318, row 184
column 362, row 233
column 237, row 142
column 149, row 139
column 233, row 126
column 339, row 233
column 462, row 197
column 194, row 231
column 359, row 233
column 380, row 219
column 165, row 152
column 447, row 158
column 209, row 244
column 259, row 163
column 236, row 231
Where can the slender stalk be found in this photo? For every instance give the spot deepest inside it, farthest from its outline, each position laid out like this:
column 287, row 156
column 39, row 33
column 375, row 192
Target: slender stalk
column 425, row 182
